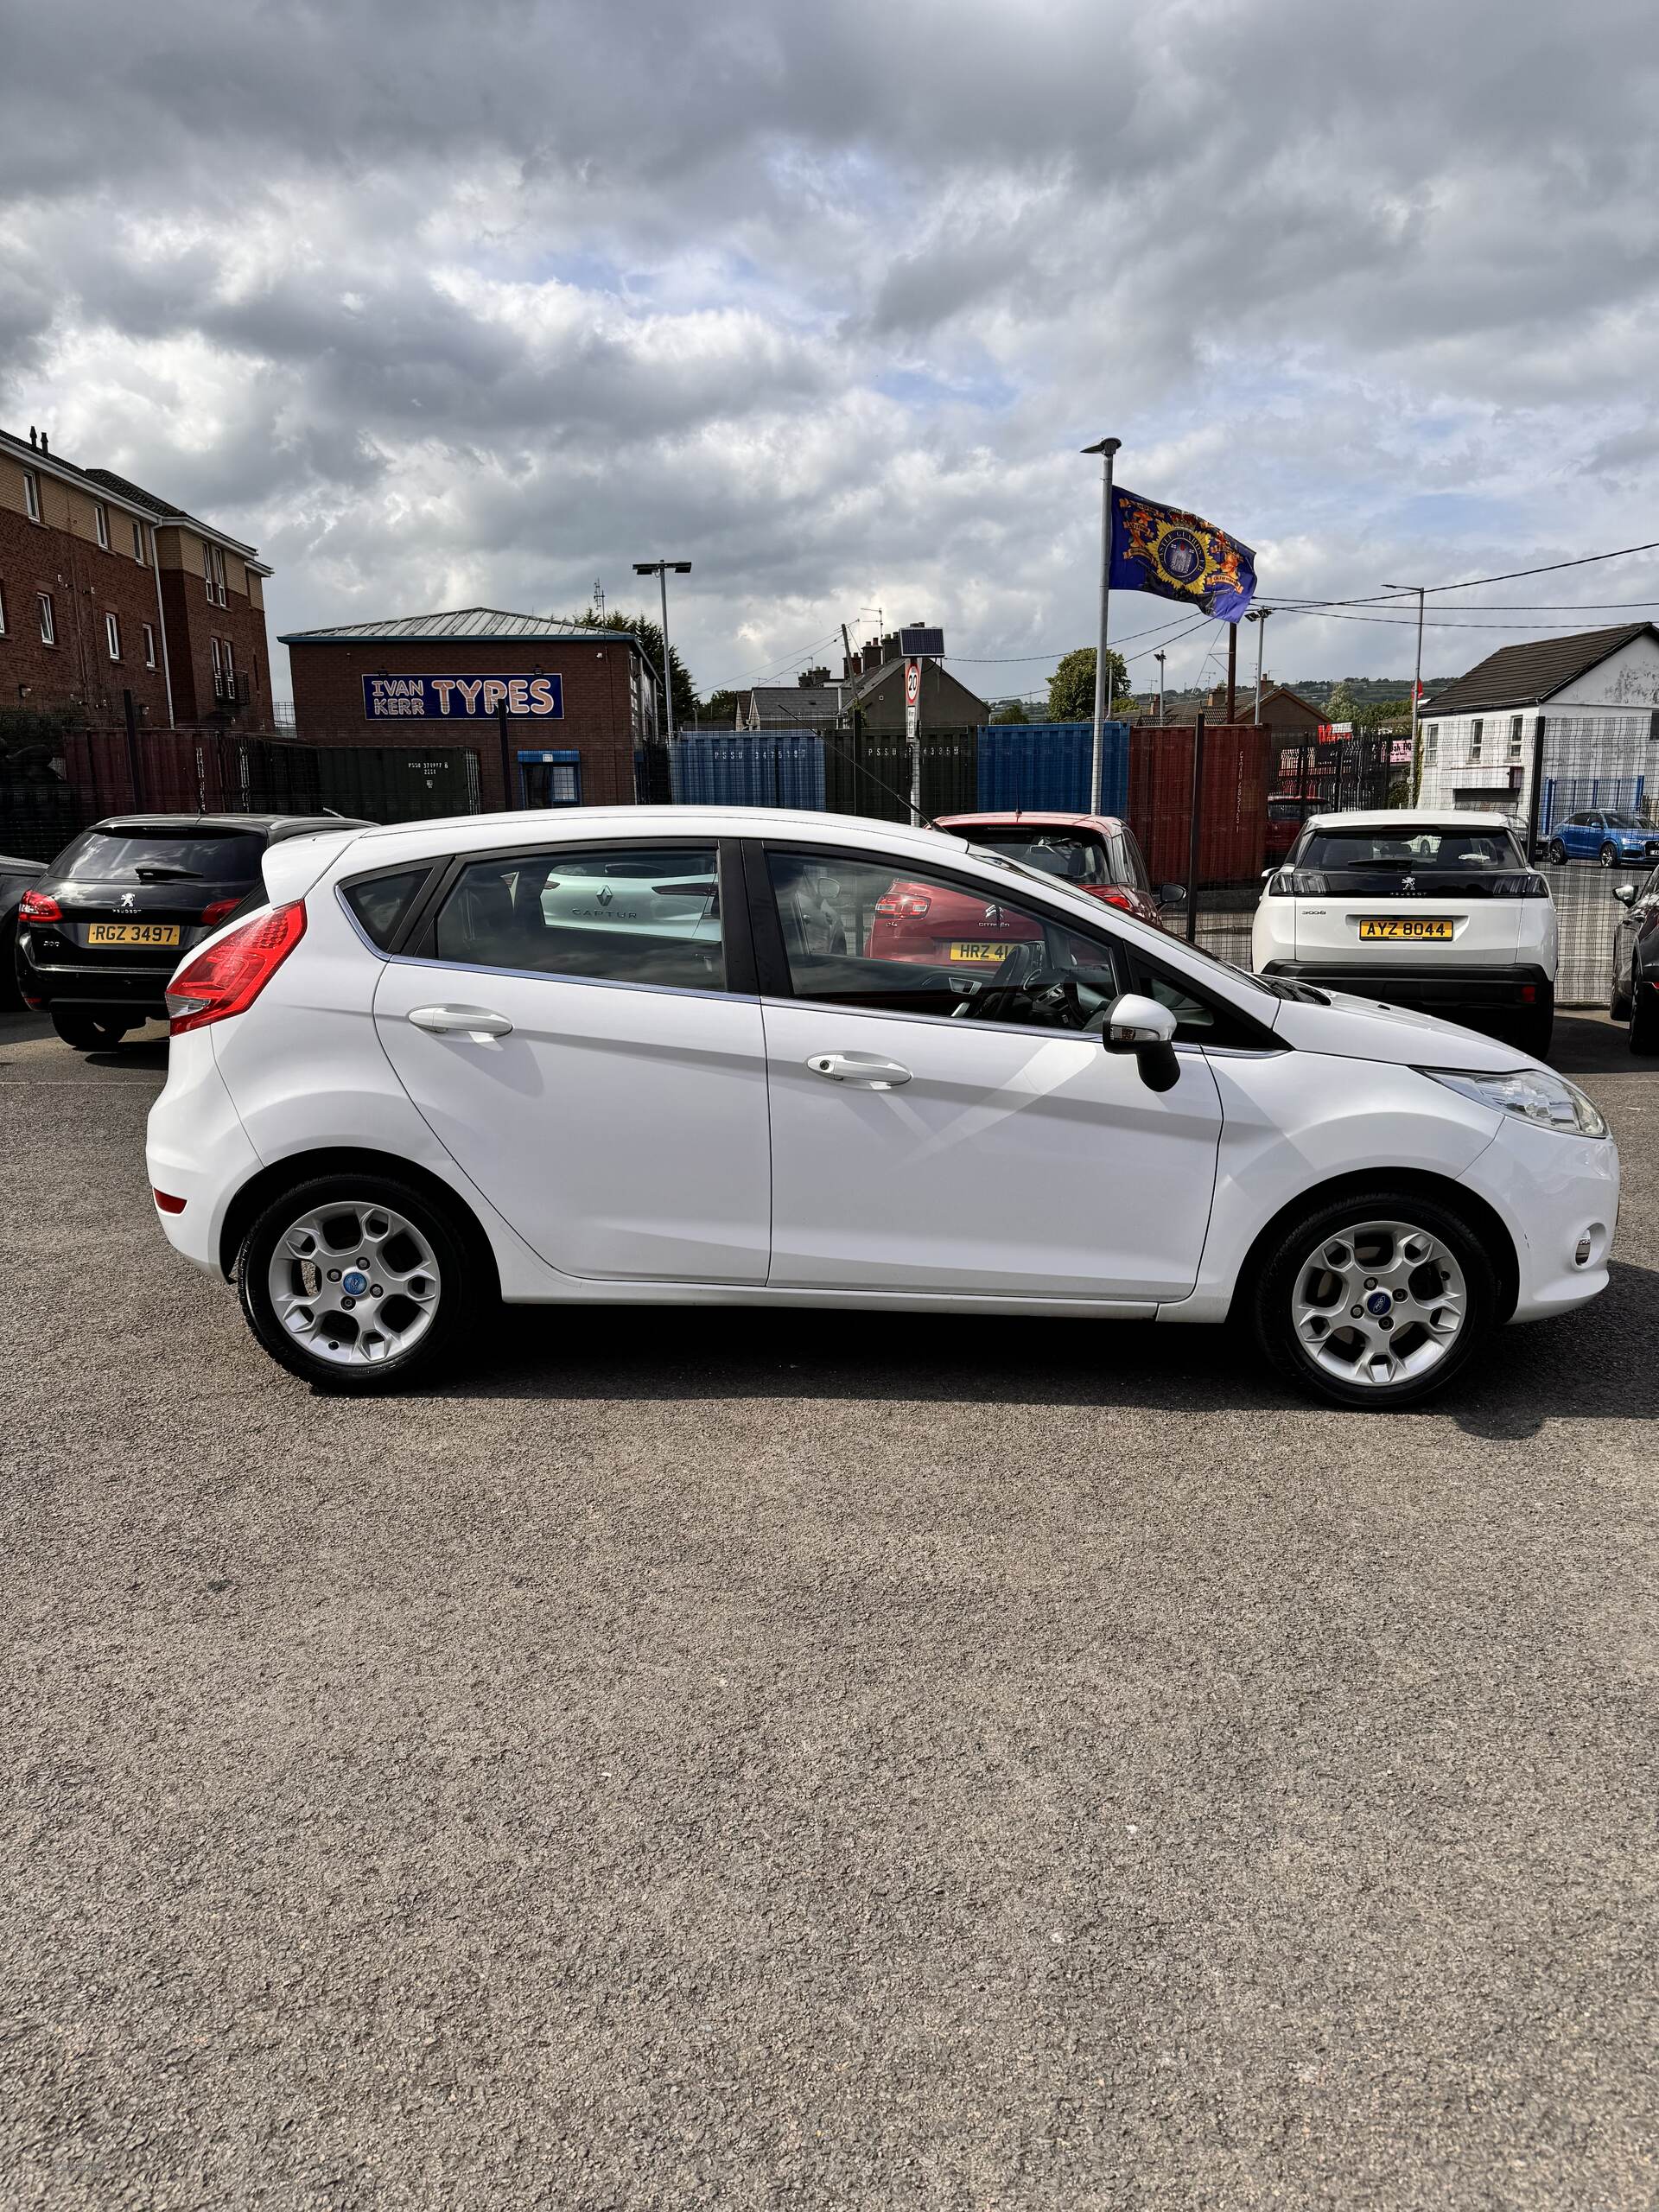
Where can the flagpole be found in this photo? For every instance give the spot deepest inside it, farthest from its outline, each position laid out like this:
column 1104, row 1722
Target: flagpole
column 1106, row 450
column 1416, row 690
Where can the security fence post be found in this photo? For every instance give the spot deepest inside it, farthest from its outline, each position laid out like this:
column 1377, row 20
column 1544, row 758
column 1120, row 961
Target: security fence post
column 1536, row 796
column 1192, row 830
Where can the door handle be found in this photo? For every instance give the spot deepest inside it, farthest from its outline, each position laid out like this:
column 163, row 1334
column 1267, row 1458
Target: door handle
column 868, row 1070
column 474, row 1021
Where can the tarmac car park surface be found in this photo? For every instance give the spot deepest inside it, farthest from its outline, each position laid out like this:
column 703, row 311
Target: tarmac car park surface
column 759, row 1760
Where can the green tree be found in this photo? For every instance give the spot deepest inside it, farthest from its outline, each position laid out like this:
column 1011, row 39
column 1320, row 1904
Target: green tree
column 1341, row 705
column 1071, row 687
column 1010, row 710
column 649, row 635
column 719, row 709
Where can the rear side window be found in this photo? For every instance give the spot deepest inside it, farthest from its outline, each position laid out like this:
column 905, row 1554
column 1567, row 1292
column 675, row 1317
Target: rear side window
column 646, row 914
column 133, row 854
column 380, row 902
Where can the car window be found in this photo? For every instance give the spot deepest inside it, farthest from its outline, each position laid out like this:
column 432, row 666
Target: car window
column 649, row 914
column 1135, row 863
column 1073, row 855
column 380, row 902
column 121, row 852
column 865, row 933
column 1622, row 821
column 1379, row 855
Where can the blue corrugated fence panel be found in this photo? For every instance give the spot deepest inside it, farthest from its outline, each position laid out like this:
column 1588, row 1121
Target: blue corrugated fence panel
column 760, row 767
column 1046, row 766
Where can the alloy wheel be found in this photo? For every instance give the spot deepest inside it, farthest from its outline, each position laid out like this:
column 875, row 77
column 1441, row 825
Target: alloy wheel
column 1377, row 1303
column 355, row 1284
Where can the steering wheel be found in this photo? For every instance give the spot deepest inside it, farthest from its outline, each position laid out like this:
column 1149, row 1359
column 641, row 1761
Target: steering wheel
column 1051, row 994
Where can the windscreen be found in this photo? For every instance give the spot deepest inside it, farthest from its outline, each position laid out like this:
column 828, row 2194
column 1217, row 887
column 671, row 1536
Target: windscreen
column 1622, row 821
column 132, row 853
column 1381, row 856
column 1070, row 855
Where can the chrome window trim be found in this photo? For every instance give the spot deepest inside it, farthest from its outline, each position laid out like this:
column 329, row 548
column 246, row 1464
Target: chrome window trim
column 969, row 1028
column 555, row 976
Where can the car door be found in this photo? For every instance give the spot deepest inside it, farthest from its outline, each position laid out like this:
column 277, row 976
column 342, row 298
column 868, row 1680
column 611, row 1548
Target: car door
column 1582, row 835
column 939, row 1129
column 594, row 1063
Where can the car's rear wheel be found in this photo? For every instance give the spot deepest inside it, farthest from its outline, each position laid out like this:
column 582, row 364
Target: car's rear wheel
column 1531, row 1030
column 1608, row 856
column 89, row 1033
column 1377, row 1301
column 1619, row 998
column 1644, row 1016
column 1557, row 852
column 358, row 1282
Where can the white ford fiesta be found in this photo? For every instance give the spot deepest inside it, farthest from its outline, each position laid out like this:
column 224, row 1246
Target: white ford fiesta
column 426, row 1069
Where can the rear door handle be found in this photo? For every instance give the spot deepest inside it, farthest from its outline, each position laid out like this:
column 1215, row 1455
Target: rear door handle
column 474, row 1021
column 868, row 1070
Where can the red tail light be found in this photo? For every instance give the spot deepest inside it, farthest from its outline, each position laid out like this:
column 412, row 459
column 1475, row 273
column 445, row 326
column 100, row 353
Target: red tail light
column 228, row 977
column 1110, row 897
column 903, row 906
column 218, row 910
column 166, row 1203
column 39, row 906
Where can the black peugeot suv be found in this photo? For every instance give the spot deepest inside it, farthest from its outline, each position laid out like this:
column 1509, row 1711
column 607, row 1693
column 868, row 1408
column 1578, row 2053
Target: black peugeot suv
column 100, row 932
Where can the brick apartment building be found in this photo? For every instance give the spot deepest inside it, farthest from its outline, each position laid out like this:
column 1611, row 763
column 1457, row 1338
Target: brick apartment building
column 578, row 701
column 106, row 588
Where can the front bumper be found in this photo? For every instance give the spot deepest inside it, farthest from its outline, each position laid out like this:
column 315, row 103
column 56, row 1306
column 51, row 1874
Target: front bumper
column 1504, row 988
column 1551, row 1190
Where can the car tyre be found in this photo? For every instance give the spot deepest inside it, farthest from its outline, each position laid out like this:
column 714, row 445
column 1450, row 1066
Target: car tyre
column 1619, row 998
column 1557, row 852
column 1297, row 1256
column 1608, row 856
column 1531, row 1030
column 1644, row 1017
column 89, row 1033
column 435, row 1280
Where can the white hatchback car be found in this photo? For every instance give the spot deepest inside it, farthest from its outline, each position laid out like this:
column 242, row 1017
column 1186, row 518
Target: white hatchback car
column 413, row 1081
column 1420, row 907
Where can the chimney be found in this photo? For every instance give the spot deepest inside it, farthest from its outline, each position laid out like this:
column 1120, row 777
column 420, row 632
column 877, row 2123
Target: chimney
column 44, row 447
column 34, row 435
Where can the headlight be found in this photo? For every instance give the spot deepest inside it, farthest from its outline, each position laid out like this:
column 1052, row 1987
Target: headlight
column 1535, row 1094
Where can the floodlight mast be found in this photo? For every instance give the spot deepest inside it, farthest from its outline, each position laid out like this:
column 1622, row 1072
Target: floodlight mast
column 659, row 569
column 1105, row 448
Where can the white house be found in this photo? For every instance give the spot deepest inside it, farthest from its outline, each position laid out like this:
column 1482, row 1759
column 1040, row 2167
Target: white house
column 1595, row 698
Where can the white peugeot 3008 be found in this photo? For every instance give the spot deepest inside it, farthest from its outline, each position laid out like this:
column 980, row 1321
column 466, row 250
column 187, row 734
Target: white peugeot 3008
column 419, row 1077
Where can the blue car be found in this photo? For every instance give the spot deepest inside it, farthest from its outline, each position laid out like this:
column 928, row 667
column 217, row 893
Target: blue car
column 1613, row 835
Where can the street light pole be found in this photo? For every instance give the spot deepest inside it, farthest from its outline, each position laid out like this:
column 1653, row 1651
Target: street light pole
column 659, row 569
column 1259, row 616
column 1106, row 449
column 1159, row 658
column 1416, row 687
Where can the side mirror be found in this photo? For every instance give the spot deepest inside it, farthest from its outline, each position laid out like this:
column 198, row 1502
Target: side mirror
column 1171, row 894
column 1625, row 893
column 1142, row 1025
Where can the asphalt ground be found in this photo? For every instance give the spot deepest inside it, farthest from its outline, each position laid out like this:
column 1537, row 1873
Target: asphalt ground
column 691, row 1759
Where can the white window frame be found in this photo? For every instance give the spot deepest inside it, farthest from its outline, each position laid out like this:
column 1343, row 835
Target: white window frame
column 112, row 634
column 138, row 553
column 1477, row 738
column 149, row 629
column 31, row 495
column 101, row 522
column 218, row 669
column 1514, row 737
column 48, row 614
column 213, row 565
column 230, row 669
column 1431, row 746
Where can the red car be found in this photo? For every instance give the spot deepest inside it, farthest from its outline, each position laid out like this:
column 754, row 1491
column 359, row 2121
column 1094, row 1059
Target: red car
column 1096, row 852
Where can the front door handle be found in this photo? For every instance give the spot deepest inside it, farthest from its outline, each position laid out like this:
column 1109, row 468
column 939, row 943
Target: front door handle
column 868, row 1070
column 474, row 1021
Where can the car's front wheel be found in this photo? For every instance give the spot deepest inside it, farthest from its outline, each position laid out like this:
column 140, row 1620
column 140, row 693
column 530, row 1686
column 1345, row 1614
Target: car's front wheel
column 1377, row 1301
column 1608, row 856
column 1619, row 998
column 89, row 1033
column 1644, row 1016
column 357, row 1282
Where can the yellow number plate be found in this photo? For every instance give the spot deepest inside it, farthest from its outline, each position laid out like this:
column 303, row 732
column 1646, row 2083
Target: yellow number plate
column 973, row 955
column 1406, row 927
column 156, row 933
